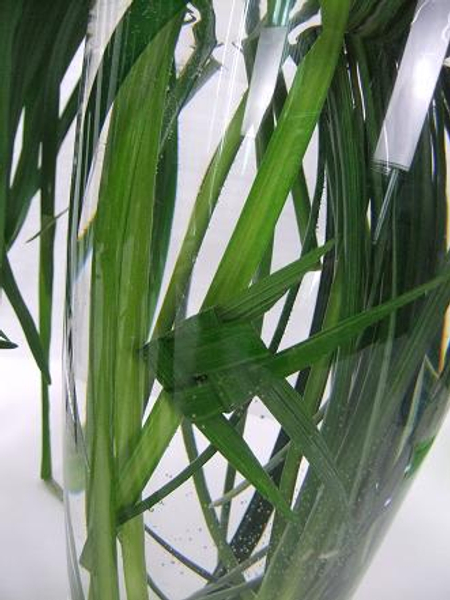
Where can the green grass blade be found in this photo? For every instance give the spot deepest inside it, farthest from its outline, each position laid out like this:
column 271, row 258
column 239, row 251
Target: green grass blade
column 277, row 459
column 232, row 446
column 261, row 296
column 286, row 406
column 46, row 41
column 141, row 23
column 46, row 260
column 50, row 223
column 194, row 70
column 230, row 577
column 166, row 490
column 120, row 291
column 308, row 352
column 302, row 204
column 205, row 204
column 25, row 183
column 5, row 342
column 157, row 432
column 223, row 549
column 232, row 493
column 25, row 319
column 175, row 483
column 287, row 147
column 9, row 19
column 65, row 45
column 163, row 212
column 309, row 242
column 179, row 556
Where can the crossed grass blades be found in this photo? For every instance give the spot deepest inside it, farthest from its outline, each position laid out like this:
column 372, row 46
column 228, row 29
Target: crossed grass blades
column 376, row 333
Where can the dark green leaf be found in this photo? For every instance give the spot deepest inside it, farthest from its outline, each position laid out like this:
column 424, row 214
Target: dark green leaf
column 179, row 556
column 165, row 196
column 26, row 320
column 286, row 406
column 48, row 225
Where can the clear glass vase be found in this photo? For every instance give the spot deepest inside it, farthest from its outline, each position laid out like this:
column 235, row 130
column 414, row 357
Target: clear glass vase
column 257, row 288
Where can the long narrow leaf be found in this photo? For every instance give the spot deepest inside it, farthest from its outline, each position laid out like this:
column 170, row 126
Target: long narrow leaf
column 204, row 207
column 140, row 24
column 233, row 447
column 261, row 296
column 286, row 406
column 5, row 342
column 313, row 349
column 205, row 42
column 26, row 320
column 287, row 147
column 163, row 492
column 157, row 432
column 179, row 556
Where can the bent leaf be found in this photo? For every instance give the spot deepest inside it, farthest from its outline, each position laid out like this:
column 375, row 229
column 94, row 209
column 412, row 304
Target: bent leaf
column 26, row 320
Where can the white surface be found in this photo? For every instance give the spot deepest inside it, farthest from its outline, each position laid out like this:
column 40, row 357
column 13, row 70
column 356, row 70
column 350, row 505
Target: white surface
column 32, row 547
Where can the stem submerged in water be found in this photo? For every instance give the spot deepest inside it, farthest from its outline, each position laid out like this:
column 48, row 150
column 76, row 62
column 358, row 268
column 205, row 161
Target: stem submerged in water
column 213, row 364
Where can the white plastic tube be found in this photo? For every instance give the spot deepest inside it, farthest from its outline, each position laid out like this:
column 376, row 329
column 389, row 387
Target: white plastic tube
column 419, row 71
column 264, row 78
